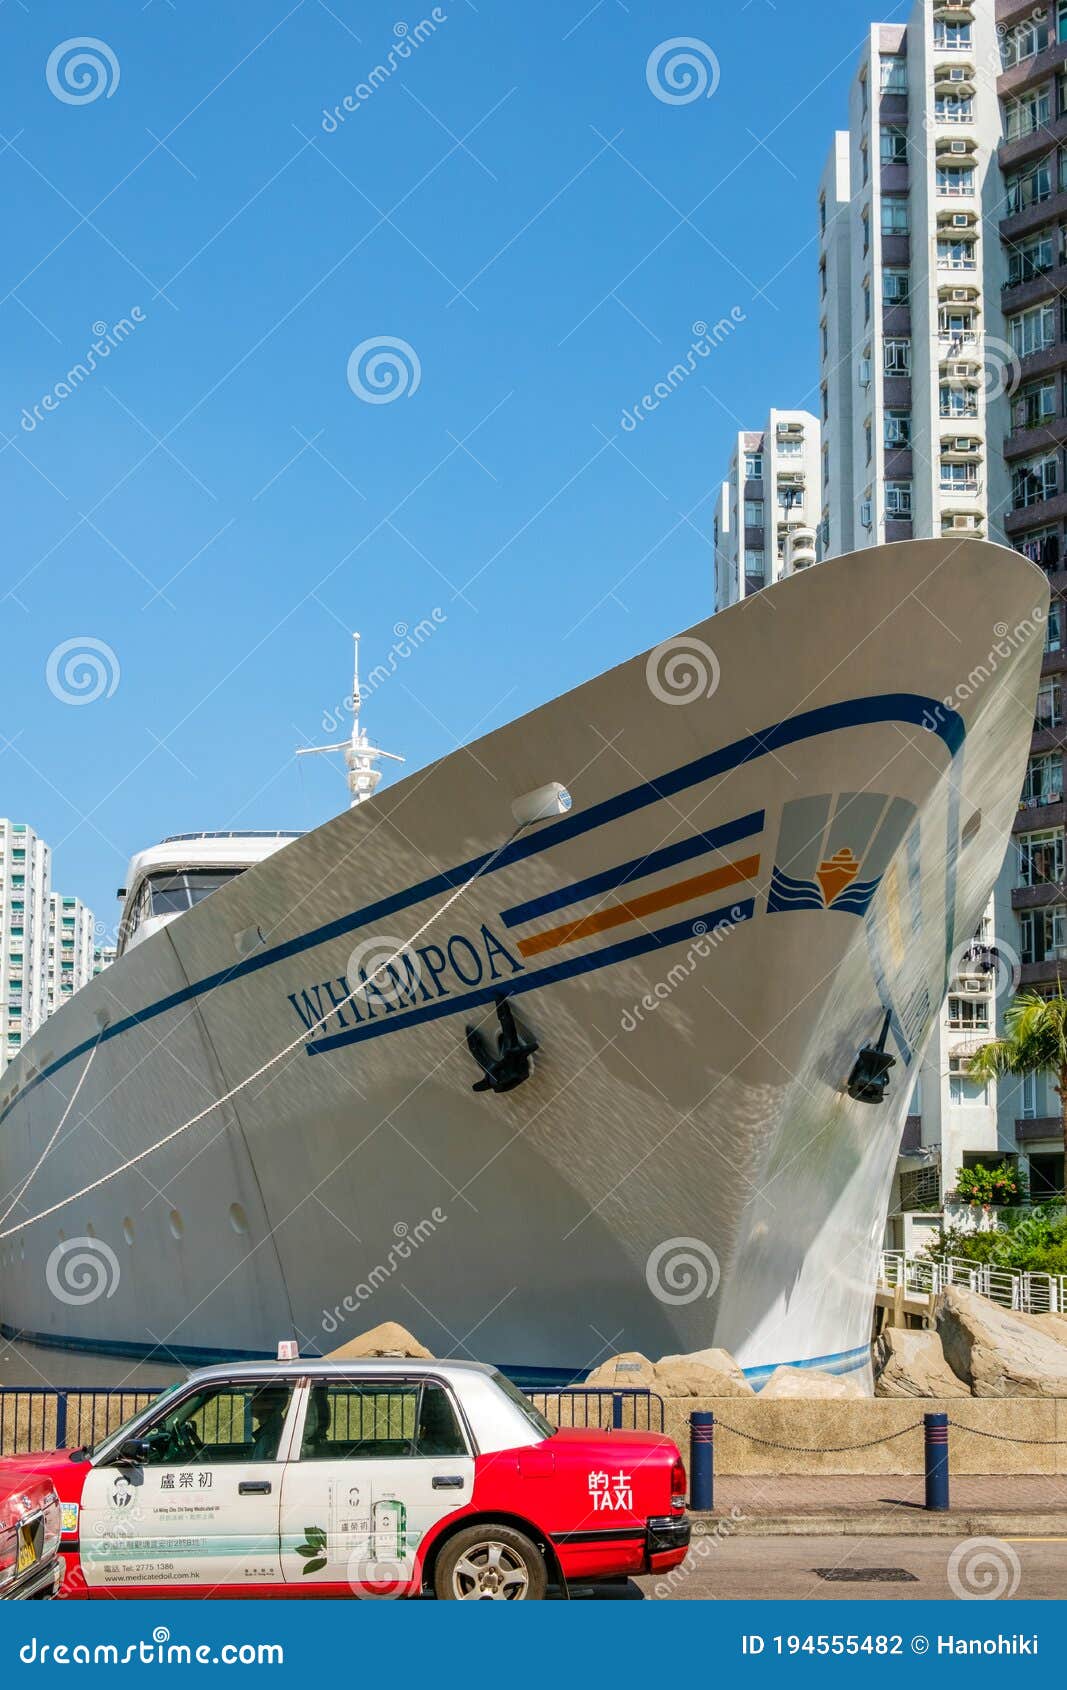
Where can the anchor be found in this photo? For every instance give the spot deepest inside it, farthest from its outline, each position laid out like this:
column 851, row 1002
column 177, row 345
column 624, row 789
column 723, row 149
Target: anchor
column 508, row 1065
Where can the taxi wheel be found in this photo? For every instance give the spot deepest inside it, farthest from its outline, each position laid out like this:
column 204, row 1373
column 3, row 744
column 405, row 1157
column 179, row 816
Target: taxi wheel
column 490, row 1563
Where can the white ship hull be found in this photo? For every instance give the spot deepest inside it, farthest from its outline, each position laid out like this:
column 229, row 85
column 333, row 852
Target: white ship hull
column 684, row 1166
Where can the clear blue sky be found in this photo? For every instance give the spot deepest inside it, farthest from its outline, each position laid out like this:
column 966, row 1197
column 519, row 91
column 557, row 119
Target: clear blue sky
column 217, row 506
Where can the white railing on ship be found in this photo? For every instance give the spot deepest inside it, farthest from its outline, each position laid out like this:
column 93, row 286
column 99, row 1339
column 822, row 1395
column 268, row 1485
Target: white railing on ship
column 1012, row 1288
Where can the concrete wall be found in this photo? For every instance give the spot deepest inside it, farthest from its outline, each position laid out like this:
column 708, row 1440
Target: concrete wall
column 824, row 1425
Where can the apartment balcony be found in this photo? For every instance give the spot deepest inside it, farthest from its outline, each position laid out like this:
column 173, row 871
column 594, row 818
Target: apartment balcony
column 896, row 250
column 894, row 178
column 1032, row 217
column 1036, row 897
column 1042, row 67
column 1033, row 144
column 1041, row 515
column 1031, row 1128
column 1052, row 431
column 896, row 392
column 1043, row 974
column 1033, row 819
column 1047, row 361
column 1009, row 12
column 1034, row 290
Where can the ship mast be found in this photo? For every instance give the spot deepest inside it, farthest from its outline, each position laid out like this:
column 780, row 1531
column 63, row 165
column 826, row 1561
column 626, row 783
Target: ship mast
column 360, row 755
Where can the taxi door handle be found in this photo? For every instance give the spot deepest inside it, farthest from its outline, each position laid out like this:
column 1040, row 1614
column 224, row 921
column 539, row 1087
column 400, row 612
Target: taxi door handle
column 254, row 1487
column 447, row 1481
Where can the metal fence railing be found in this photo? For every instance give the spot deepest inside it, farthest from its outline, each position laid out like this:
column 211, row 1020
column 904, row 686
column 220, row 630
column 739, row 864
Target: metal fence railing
column 39, row 1417
column 630, row 1409
column 1012, row 1288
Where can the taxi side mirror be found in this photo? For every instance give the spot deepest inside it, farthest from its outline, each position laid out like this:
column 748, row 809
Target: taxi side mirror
column 133, row 1452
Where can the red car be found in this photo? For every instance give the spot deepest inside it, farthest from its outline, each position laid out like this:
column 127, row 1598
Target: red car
column 29, row 1535
column 371, row 1478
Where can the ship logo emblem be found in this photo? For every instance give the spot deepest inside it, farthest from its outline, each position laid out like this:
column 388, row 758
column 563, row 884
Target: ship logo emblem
column 834, row 849
column 839, row 872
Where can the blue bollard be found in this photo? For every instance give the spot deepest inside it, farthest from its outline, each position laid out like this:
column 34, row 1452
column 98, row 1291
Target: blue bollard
column 702, row 1460
column 935, row 1438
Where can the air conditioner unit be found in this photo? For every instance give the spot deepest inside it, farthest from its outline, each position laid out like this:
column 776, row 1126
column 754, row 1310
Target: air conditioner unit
column 957, row 73
column 964, row 443
column 959, row 147
column 865, row 372
column 960, row 220
column 962, row 519
column 866, row 514
column 963, row 371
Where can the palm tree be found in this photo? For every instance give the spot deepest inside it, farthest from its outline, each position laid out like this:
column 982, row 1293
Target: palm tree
column 1034, row 1042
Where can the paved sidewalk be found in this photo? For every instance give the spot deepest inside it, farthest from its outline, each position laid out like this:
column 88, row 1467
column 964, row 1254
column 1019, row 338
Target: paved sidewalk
column 994, row 1505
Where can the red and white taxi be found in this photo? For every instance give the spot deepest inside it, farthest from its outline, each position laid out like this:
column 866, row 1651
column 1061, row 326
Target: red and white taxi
column 372, row 1478
column 30, row 1567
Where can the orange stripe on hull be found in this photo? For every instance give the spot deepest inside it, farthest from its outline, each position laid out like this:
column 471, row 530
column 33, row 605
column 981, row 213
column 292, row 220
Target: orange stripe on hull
column 616, row 915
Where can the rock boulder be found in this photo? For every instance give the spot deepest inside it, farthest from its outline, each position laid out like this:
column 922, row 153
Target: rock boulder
column 388, row 1339
column 998, row 1353
column 704, row 1373
column 629, row 1371
column 786, row 1382
column 911, row 1363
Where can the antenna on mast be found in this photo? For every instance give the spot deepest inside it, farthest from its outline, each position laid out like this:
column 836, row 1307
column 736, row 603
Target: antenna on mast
column 360, row 755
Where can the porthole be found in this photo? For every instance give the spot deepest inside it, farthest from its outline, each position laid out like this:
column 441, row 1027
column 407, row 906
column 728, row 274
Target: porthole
column 177, row 1225
column 238, row 1218
column 127, row 1230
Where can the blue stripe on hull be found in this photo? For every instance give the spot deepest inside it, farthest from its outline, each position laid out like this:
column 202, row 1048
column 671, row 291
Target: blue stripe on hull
column 841, row 1361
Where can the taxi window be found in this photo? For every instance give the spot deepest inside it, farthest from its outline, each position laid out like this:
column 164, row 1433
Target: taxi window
column 219, row 1424
column 375, row 1422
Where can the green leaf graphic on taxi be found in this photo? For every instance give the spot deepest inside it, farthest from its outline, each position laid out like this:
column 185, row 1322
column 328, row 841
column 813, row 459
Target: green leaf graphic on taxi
column 314, row 1566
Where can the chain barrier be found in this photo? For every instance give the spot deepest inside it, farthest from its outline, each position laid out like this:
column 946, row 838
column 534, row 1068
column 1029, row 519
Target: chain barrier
column 820, row 1449
column 1006, row 1438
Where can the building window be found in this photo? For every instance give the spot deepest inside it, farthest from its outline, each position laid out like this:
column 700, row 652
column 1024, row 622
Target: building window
column 822, row 278
column 790, row 498
column 824, row 338
column 822, row 211
column 951, row 37
column 826, row 466
column 1042, row 547
column 893, row 73
column 753, row 513
column 1054, row 628
column 1048, row 710
column 1041, row 858
column 1034, row 404
column 1030, row 258
column 896, row 354
column 953, row 108
column 824, row 392
column 962, row 1090
column 969, row 1014
column 959, row 478
column 1032, row 331
column 866, row 221
column 1029, row 112
column 863, row 163
column 1025, row 39
column 755, row 561
column 1044, row 934
column 893, row 145
column 1027, row 187
column 957, row 254
column 1028, row 1097
column 1043, row 782
column 955, row 180
column 790, row 445
column 898, row 428
column 894, row 215
column 898, row 500
column 956, row 399
column 1032, row 482
column 753, row 466
column 895, row 287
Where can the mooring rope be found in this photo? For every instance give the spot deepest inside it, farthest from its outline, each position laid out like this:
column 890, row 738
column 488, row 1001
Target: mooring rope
column 279, row 1056
column 35, row 1170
